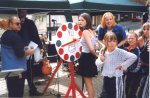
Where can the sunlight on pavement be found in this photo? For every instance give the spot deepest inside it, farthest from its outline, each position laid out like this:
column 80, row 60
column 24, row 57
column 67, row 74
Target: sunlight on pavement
column 3, row 88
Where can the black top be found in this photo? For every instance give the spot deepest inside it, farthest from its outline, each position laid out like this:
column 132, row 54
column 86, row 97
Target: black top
column 144, row 56
column 135, row 51
column 29, row 33
column 11, row 38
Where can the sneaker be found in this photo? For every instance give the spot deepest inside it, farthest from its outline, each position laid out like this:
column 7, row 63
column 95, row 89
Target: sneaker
column 36, row 93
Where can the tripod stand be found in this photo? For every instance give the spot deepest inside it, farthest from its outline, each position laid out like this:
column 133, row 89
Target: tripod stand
column 53, row 57
column 52, row 77
column 57, row 79
column 55, row 90
column 72, row 86
column 58, row 94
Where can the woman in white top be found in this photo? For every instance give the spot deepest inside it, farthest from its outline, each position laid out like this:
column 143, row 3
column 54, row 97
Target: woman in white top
column 114, row 61
column 87, row 68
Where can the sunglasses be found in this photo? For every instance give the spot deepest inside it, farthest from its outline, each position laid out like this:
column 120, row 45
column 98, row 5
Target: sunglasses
column 17, row 23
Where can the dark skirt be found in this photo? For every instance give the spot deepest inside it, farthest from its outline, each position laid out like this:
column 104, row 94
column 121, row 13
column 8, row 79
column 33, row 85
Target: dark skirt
column 87, row 67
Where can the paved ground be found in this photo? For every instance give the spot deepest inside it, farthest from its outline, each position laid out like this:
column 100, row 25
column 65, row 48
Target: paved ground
column 63, row 80
column 131, row 26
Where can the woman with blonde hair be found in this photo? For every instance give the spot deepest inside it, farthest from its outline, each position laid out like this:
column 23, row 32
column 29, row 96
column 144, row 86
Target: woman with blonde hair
column 108, row 24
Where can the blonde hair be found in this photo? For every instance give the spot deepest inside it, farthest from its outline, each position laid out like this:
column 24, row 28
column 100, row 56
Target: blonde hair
column 4, row 23
column 136, row 36
column 103, row 24
column 147, row 24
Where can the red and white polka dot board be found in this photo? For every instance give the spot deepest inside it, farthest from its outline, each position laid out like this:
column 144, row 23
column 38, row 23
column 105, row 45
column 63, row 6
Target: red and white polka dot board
column 69, row 49
column 67, row 46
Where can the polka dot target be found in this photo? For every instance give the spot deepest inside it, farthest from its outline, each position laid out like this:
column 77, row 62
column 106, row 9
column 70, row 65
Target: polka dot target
column 67, row 43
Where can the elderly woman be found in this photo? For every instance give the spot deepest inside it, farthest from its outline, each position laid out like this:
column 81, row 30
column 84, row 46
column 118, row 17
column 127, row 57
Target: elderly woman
column 108, row 24
column 133, row 76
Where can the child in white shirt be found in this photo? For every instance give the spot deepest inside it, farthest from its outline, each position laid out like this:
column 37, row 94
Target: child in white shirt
column 114, row 60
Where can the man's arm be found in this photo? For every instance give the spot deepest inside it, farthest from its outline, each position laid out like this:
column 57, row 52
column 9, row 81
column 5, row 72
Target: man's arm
column 122, row 42
column 35, row 36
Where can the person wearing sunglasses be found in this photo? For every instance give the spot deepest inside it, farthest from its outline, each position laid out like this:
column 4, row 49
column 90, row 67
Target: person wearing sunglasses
column 29, row 33
column 13, row 58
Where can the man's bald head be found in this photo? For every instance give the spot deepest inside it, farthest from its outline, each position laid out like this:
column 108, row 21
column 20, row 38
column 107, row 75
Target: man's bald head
column 14, row 23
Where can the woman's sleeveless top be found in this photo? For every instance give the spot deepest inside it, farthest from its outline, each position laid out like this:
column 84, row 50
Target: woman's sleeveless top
column 85, row 47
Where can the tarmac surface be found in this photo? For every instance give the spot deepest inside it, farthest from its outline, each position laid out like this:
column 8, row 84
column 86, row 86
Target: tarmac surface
column 59, row 85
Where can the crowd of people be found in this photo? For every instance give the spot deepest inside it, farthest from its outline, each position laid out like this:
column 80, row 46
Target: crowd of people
column 123, row 59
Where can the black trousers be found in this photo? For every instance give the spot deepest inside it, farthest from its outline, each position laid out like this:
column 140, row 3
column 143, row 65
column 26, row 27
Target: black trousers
column 29, row 76
column 15, row 86
column 142, row 85
column 132, row 83
column 109, row 88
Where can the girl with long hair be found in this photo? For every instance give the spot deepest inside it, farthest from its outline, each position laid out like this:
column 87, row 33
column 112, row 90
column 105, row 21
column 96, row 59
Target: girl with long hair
column 87, row 68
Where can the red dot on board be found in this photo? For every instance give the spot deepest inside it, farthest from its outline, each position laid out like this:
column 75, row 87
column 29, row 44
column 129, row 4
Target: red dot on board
column 80, row 33
column 77, row 55
column 64, row 27
column 61, row 51
column 66, row 56
column 76, row 27
column 59, row 34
